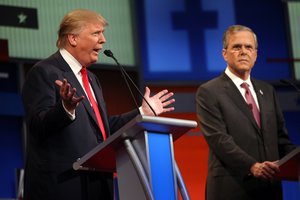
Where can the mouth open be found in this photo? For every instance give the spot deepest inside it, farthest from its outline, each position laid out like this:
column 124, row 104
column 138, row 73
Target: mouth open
column 96, row 51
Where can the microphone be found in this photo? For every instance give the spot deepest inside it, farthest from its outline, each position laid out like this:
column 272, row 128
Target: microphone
column 126, row 76
column 288, row 82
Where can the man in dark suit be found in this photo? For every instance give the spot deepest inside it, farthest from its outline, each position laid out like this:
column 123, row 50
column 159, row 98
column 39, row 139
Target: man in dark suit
column 62, row 125
column 246, row 134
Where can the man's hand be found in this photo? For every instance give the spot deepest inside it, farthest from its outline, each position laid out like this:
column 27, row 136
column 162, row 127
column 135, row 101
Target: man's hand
column 159, row 102
column 265, row 170
column 67, row 94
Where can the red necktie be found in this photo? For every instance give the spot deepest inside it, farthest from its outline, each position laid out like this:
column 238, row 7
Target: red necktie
column 86, row 85
column 251, row 102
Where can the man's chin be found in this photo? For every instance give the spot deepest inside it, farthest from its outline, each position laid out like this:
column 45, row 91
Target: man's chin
column 94, row 60
column 244, row 66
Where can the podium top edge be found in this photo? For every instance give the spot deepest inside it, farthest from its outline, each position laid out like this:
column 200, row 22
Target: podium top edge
column 167, row 120
column 290, row 155
column 154, row 123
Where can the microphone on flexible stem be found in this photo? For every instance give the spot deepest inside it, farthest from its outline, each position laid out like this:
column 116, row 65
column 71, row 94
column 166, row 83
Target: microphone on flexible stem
column 288, row 82
column 126, row 76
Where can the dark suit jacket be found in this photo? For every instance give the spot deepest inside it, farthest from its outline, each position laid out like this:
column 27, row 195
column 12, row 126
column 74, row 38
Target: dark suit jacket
column 55, row 141
column 236, row 142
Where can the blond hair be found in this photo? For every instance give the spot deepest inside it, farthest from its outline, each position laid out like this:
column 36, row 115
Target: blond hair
column 74, row 21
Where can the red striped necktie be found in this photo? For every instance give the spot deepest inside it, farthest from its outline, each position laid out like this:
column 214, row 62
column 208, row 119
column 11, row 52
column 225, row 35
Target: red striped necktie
column 87, row 88
column 251, row 102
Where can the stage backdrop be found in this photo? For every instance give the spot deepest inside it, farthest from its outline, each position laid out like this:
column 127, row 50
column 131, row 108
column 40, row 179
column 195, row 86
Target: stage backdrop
column 181, row 40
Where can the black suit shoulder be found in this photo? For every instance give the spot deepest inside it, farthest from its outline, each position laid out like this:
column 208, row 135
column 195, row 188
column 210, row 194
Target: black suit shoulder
column 53, row 63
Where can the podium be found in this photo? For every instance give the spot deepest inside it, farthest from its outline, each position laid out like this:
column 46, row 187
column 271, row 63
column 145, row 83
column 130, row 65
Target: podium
column 142, row 154
column 289, row 166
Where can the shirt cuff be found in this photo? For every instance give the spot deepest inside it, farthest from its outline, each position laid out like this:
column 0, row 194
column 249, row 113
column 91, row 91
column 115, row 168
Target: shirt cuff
column 71, row 115
column 141, row 110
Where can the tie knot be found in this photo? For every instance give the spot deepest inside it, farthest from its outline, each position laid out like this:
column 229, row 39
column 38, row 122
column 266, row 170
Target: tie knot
column 83, row 70
column 245, row 86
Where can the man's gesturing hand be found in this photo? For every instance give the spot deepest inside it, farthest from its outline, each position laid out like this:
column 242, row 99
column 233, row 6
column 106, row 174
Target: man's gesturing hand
column 67, row 94
column 159, row 102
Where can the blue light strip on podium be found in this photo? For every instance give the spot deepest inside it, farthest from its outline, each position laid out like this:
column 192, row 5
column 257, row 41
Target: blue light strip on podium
column 160, row 158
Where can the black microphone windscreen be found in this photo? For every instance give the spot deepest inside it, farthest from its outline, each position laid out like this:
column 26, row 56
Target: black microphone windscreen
column 288, row 82
column 108, row 53
column 285, row 81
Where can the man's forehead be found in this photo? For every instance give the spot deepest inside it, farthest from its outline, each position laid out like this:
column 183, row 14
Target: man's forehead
column 242, row 38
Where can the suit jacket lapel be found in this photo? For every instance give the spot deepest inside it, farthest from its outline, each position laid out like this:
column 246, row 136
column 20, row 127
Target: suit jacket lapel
column 262, row 101
column 238, row 100
column 70, row 76
column 80, row 92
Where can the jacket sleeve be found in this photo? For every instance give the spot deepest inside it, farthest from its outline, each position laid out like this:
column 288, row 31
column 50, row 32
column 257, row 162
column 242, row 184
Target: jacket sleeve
column 42, row 102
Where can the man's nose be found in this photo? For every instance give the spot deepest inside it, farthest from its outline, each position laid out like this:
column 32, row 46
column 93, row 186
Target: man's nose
column 102, row 39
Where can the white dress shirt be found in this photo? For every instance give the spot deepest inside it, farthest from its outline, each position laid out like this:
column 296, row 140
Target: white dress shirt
column 238, row 81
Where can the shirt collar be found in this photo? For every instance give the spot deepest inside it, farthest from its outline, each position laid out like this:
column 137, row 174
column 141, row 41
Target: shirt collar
column 72, row 62
column 237, row 80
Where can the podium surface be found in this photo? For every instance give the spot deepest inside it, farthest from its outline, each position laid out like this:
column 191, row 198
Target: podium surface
column 142, row 154
column 289, row 166
column 105, row 160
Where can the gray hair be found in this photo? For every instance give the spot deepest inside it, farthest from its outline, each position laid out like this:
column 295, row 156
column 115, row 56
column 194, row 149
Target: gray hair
column 234, row 29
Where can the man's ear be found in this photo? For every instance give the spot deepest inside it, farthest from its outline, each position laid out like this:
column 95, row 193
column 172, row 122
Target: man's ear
column 224, row 53
column 72, row 39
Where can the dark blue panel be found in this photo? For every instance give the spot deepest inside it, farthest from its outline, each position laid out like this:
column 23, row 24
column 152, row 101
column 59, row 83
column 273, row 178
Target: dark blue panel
column 10, row 154
column 291, row 189
column 11, row 104
column 293, row 125
column 8, row 77
column 269, row 24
